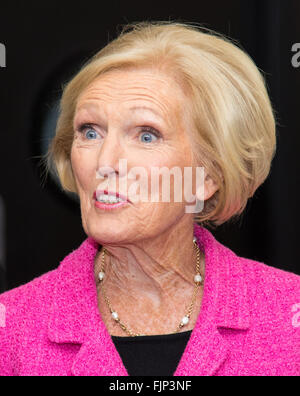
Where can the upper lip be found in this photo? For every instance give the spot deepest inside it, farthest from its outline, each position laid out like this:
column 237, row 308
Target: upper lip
column 118, row 195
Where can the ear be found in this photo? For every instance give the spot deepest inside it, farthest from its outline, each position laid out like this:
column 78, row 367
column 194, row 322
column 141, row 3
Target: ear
column 210, row 187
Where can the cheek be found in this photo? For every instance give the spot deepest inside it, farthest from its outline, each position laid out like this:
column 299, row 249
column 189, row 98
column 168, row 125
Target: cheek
column 175, row 157
column 83, row 166
column 170, row 155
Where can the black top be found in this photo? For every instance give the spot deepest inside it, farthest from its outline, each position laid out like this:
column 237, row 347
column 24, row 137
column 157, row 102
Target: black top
column 154, row 355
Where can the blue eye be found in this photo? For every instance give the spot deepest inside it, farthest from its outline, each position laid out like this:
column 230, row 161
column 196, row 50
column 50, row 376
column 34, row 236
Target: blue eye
column 147, row 137
column 90, row 134
column 88, row 131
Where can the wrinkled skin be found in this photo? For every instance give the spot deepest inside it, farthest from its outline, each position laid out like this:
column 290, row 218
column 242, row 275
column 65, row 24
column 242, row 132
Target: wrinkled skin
column 152, row 260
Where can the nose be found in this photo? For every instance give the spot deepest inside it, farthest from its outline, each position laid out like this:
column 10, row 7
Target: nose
column 109, row 155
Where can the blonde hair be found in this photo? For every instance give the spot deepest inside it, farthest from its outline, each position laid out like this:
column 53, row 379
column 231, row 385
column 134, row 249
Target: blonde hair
column 233, row 120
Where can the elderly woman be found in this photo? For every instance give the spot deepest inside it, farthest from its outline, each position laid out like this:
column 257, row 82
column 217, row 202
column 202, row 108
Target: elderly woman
column 151, row 291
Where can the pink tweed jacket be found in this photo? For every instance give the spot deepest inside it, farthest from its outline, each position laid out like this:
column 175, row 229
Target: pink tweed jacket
column 249, row 323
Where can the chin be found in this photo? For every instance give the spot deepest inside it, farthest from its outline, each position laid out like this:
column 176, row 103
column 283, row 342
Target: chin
column 106, row 231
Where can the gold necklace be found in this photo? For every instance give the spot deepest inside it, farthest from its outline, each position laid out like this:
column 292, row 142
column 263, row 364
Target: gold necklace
column 198, row 280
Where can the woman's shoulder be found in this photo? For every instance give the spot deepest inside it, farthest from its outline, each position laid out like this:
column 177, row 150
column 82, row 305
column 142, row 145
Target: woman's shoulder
column 43, row 286
column 258, row 277
column 256, row 274
column 28, row 297
column 272, row 293
column 270, row 277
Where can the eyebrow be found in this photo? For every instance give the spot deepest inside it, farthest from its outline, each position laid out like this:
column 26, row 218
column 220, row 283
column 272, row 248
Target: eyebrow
column 94, row 106
column 148, row 109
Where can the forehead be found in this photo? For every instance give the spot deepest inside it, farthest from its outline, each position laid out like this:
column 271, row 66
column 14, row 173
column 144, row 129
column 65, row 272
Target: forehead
column 147, row 87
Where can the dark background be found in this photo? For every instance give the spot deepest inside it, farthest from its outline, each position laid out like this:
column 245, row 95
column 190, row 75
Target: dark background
column 47, row 41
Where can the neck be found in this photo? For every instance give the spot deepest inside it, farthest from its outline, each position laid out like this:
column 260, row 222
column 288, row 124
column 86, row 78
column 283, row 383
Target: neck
column 158, row 270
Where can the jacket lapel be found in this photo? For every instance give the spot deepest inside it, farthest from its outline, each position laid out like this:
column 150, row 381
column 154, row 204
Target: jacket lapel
column 98, row 357
column 206, row 351
column 75, row 317
column 224, row 305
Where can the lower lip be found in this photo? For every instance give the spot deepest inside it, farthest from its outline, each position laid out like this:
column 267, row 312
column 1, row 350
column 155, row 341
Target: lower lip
column 115, row 206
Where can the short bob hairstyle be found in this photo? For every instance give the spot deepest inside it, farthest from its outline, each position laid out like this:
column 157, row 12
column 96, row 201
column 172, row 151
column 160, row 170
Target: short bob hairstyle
column 234, row 126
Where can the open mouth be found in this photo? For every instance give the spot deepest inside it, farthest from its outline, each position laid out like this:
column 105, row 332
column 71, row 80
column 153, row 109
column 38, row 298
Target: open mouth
column 107, row 200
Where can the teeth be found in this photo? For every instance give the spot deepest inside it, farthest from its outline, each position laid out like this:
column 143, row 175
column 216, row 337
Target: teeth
column 108, row 199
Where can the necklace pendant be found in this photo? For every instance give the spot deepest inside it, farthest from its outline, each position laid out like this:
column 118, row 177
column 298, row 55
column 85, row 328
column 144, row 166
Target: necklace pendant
column 198, row 279
column 115, row 315
column 101, row 276
column 185, row 320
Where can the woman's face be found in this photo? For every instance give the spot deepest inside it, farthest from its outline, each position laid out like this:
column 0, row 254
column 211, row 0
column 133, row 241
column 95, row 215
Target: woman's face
column 139, row 117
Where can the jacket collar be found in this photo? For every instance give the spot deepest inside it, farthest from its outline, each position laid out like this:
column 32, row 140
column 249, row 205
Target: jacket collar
column 75, row 317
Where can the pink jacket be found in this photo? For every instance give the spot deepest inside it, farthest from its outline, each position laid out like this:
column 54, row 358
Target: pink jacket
column 249, row 322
